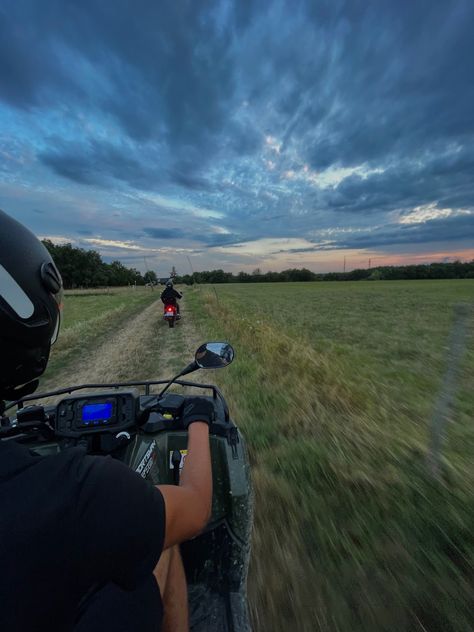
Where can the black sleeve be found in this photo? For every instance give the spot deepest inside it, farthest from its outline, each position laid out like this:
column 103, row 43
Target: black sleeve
column 120, row 525
column 177, row 294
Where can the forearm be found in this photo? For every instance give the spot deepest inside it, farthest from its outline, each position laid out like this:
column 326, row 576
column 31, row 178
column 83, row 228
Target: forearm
column 197, row 473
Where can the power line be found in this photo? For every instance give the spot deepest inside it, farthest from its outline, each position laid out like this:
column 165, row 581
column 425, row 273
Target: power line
column 190, row 264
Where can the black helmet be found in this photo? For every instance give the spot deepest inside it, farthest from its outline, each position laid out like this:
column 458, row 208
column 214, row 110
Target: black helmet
column 30, row 301
column 169, row 283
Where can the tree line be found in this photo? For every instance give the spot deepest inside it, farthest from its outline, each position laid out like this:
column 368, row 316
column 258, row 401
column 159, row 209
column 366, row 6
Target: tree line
column 455, row 270
column 85, row 268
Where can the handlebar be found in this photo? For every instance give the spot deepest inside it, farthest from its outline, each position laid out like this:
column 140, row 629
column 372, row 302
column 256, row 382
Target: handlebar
column 216, row 393
column 103, row 415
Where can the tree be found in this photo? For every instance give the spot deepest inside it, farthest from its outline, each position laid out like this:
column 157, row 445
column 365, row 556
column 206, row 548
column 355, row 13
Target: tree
column 150, row 277
column 85, row 268
column 376, row 275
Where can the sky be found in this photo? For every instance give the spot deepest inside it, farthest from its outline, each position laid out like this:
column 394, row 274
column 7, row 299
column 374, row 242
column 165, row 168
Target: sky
column 239, row 134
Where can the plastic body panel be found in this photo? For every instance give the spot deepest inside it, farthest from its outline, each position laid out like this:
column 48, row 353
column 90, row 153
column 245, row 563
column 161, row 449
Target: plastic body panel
column 216, row 562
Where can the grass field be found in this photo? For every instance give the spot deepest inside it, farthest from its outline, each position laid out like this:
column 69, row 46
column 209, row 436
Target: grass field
column 334, row 387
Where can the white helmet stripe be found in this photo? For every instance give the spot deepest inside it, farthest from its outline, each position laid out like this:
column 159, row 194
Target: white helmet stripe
column 13, row 294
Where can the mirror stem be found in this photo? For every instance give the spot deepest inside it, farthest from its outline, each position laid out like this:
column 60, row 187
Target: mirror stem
column 193, row 366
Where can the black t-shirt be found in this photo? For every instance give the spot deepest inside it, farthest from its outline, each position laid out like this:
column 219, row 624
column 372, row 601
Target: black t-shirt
column 69, row 522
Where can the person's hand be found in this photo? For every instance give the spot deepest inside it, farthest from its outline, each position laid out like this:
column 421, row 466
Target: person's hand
column 197, row 409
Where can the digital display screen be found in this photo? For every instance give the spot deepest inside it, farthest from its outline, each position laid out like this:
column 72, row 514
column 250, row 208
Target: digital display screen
column 92, row 414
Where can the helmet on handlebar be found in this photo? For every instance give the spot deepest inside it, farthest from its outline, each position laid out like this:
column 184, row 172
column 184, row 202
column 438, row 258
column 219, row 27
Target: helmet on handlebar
column 30, row 302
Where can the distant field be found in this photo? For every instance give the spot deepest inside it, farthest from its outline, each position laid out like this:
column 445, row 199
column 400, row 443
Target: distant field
column 334, row 386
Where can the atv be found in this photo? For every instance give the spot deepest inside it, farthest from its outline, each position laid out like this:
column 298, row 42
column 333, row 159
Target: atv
column 144, row 430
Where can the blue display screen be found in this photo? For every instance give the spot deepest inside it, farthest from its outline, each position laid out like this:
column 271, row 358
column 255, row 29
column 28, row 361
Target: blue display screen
column 93, row 413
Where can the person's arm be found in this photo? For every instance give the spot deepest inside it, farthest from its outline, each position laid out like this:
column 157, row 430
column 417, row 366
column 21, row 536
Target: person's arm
column 188, row 507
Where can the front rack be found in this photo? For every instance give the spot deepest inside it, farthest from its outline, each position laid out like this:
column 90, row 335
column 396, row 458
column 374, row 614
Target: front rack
column 216, row 393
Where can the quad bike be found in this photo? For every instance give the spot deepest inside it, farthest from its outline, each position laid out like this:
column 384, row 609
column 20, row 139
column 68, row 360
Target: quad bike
column 144, row 430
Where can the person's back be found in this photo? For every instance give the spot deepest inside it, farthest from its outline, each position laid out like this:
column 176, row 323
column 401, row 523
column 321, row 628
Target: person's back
column 169, row 294
column 65, row 530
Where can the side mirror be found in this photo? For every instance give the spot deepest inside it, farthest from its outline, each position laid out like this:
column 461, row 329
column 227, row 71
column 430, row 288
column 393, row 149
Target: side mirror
column 214, row 355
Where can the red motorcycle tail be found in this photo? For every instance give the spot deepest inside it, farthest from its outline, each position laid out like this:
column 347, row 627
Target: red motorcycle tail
column 169, row 314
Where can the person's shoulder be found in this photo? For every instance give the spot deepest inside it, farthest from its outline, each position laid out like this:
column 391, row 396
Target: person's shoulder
column 65, row 461
column 92, row 466
column 76, row 465
column 99, row 474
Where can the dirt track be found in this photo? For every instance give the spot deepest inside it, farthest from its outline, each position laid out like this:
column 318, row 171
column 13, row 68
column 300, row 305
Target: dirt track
column 143, row 348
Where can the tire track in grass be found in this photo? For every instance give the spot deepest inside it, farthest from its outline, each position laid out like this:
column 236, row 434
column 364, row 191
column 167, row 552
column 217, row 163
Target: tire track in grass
column 128, row 353
column 178, row 348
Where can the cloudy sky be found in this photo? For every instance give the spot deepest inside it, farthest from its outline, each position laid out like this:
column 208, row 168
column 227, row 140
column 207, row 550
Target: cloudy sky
column 241, row 133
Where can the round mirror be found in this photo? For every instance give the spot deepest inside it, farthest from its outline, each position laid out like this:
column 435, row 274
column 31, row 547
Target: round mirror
column 214, row 355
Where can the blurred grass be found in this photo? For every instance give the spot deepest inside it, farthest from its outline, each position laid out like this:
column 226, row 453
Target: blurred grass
column 334, row 386
column 89, row 317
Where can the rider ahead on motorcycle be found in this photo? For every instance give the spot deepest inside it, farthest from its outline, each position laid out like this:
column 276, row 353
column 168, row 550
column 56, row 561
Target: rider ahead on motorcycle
column 169, row 296
column 85, row 542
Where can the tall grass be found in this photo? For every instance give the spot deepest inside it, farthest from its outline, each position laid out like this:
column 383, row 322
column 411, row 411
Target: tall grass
column 334, row 386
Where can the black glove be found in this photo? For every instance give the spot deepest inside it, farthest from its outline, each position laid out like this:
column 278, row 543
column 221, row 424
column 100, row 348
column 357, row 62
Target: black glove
column 197, row 409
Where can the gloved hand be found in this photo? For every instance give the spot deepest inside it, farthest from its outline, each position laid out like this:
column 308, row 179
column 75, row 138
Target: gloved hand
column 197, row 409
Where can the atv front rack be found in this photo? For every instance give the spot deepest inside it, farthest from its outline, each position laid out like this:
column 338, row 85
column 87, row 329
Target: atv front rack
column 216, row 393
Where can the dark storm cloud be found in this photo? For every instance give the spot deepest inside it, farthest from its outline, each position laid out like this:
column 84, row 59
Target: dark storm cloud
column 213, row 240
column 163, row 70
column 384, row 80
column 94, row 163
column 445, row 177
column 453, row 229
column 26, row 63
column 163, row 233
column 190, row 181
column 458, row 228
column 209, row 238
column 220, row 100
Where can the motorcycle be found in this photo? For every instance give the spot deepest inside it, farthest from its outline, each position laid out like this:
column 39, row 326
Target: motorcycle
column 170, row 314
column 145, row 431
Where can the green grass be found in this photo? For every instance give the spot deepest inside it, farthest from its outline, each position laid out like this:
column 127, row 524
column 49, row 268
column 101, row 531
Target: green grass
column 90, row 317
column 334, row 386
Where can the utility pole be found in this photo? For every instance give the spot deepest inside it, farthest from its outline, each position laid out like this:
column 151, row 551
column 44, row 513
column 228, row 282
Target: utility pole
column 369, row 263
column 344, row 264
column 147, row 269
